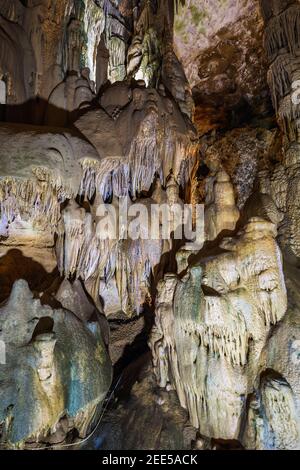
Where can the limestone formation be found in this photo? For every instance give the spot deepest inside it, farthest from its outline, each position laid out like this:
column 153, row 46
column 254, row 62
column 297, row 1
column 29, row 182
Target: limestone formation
column 281, row 44
column 36, row 177
column 212, row 325
column 63, row 372
column 149, row 224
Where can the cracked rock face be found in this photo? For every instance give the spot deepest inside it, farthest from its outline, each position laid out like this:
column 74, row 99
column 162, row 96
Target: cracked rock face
column 220, row 44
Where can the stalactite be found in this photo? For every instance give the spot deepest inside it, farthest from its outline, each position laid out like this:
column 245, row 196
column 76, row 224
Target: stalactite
column 282, row 42
column 283, row 31
column 117, row 59
column 115, row 28
column 94, row 24
column 279, row 78
column 178, row 4
column 110, row 177
column 230, row 343
column 288, row 117
column 280, row 420
column 31, row 200
column 144, row 162
column 74, row 241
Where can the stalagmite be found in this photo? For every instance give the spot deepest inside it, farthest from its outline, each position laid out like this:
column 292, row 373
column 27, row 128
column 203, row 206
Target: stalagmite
column 213, row 318
column 221, row 212
column 39, row 373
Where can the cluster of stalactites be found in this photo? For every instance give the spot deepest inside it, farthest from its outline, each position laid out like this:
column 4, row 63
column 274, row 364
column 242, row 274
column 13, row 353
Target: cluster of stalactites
column 94, row 25
column 83, row 252
column 80, row 251
column 88, row 24
column 211, row 326
column 109, row 177
column 151, row 153
column 279, row 405
column 282, row 44
column 117, row 36
column 282, row 74
column 31, row 200
column 83, row 249
column 221, row 340
column 283, row 31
